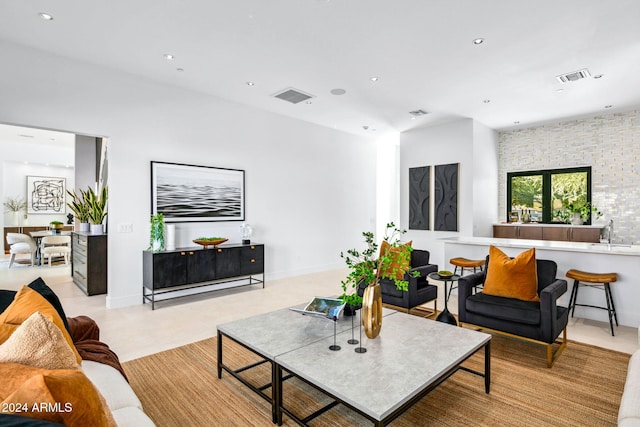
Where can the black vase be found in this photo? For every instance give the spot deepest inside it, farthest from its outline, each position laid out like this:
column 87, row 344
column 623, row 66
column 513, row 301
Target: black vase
column 350, row 310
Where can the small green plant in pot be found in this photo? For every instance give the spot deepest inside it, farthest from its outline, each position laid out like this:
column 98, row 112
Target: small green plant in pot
column 156, row 237
column 577, row 213
column 97, row 204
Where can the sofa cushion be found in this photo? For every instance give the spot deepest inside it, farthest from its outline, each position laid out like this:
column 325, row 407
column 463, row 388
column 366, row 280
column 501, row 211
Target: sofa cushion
column 131, row 416
column 116, row 390
column 38, row 285
column 38, row 342
column 629, row 411
column 26, row 302
column 61, row 395
column 399, row 264
column 512, row 278
column 515, row 310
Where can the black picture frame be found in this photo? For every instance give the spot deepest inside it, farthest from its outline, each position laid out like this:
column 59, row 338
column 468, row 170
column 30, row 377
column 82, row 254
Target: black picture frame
column 192, row 193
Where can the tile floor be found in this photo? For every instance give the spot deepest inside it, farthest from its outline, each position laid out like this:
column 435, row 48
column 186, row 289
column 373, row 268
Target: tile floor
column 134, row 332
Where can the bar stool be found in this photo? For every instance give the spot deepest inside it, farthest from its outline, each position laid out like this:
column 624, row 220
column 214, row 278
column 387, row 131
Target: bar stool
column 464, row 263
column 593, row 280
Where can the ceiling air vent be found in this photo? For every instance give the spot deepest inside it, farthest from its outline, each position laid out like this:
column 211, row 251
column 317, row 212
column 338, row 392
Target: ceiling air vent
column 292, row 95
column 574, row 76
column 418, row 113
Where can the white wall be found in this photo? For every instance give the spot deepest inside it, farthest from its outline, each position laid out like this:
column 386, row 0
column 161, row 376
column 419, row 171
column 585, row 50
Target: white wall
column 310, row 190
column 19, row 159
column 473, row 146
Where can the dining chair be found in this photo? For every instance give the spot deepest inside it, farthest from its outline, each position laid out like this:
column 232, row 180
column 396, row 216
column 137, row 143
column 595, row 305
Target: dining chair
column 21, row 244
column 51, row 246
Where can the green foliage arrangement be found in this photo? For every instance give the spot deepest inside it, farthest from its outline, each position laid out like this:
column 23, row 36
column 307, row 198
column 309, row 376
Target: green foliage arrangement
column 584, row 209
column 366, row 266
column 156, row 236
column 97, row 204
column 79, row 205
column 15, row 204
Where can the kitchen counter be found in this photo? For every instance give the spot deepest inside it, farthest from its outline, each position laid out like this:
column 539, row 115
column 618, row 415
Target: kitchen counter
column 624, row 260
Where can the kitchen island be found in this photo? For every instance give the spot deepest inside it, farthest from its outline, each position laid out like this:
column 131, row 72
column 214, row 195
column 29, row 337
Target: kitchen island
column 593, row 257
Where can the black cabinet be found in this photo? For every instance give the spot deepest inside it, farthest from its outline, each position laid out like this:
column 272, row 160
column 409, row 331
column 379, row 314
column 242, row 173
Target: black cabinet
column 171, row 271
column 89, row 262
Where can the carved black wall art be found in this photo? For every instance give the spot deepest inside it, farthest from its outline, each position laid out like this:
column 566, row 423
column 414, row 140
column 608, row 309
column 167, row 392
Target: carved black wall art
column 419, row 198
column 446, row 197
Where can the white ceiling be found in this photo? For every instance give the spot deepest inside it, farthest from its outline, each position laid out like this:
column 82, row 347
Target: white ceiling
column 421, row 50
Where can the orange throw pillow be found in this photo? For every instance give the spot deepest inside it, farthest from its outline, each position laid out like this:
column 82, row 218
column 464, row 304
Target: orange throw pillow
column 398, row 265
column 61, row 396
column 25, row 303
column 512, row 278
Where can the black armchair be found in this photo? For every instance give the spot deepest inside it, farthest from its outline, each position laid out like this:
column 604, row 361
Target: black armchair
column 419, row 292
column 540, row 322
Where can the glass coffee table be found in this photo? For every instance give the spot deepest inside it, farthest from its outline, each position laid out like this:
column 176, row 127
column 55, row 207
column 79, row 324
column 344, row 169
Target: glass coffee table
column 445, row 316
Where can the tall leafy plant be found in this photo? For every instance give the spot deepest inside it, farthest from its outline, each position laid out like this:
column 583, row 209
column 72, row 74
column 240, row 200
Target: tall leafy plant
column 97, row 204
column 369, row 267
column 79, row 206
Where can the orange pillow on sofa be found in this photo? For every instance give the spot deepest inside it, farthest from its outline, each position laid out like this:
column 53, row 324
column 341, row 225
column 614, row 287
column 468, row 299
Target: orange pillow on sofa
column 25, row 303
column 61, row 396
column 398, row 265
column 512, row 278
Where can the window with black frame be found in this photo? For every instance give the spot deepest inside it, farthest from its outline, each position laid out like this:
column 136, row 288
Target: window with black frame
column 549, row 196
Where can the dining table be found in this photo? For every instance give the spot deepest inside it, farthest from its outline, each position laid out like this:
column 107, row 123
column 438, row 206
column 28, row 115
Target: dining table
column 38, row 235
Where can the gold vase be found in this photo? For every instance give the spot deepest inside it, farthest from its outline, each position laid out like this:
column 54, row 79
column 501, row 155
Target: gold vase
column 372, row 310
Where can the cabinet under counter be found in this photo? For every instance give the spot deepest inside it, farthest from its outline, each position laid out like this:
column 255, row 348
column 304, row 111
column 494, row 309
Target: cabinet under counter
column 556, row 232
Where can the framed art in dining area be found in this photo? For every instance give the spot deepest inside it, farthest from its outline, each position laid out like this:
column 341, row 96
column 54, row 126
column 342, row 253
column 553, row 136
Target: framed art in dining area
column 190, row 193
column 46, row 195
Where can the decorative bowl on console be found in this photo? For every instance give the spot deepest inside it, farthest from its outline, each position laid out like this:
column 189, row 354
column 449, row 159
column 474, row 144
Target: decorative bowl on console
column 210, row 241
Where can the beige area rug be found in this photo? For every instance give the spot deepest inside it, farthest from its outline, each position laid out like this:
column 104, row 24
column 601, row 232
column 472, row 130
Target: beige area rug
column 179, row 387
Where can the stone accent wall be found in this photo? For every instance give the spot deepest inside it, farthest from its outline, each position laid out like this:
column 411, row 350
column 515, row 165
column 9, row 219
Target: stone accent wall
column 610, row 144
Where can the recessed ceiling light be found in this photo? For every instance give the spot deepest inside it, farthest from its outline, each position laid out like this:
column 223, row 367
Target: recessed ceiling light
column 373, row 79
column 560, row 90
column 169, row 57
column 338, row 91
column 45, row 16
column 486, row 101
column 516, row 122
column 608, row 106
column 250, row 84
column 309, row 102
column 598, row 76
column 180, row 69
column 479, row 40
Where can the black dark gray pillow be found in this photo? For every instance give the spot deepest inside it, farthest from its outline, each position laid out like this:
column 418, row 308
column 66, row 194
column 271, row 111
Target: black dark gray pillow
column 38, row 285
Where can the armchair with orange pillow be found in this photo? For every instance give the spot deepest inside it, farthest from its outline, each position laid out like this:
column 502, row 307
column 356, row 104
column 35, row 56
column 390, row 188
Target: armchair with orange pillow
column 518, row 298
column 415, row 272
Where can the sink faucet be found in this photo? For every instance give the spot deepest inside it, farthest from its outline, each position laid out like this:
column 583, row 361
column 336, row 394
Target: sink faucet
column 609, row 230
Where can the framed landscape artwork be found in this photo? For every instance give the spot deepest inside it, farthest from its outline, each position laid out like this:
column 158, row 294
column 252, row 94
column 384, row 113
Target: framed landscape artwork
column 46, row 195
column 189, row 193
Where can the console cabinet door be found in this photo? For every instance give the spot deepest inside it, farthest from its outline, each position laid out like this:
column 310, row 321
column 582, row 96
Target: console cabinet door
column 202, row 266
column 252, row 261
column 227, row 262
column 531, row 232
column 589, row 235
column 170, row 269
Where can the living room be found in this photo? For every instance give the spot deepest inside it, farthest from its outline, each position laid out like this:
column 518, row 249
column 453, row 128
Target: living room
column 312, row 189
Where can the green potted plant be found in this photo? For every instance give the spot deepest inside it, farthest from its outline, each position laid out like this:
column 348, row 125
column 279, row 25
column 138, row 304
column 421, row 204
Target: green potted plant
column 56, row 226
column 156, row 237
column 16, row 206
column 577, row 213
column 80, row 208
column 97, row 204
column 368, row 266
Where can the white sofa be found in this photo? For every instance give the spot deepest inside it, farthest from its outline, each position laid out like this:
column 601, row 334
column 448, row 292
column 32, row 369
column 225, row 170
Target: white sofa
column 629, row 412
column 123, row 402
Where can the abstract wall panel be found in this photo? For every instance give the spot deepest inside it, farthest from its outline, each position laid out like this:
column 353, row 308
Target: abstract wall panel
column 446, row 198
column 419, row 198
